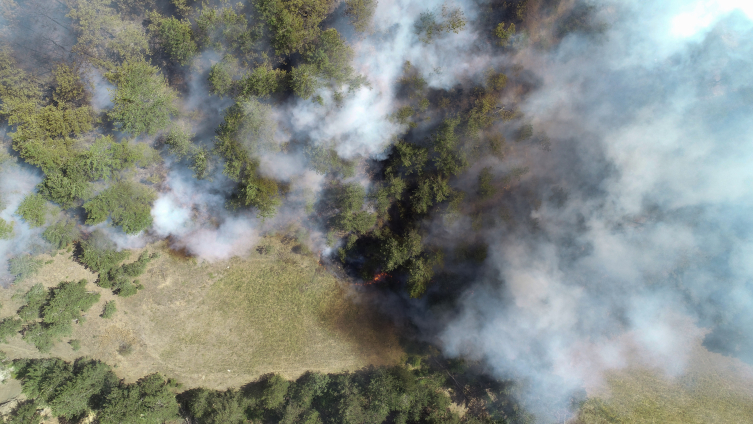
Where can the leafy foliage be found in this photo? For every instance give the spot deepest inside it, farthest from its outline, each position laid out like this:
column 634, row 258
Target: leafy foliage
column 120, row 279
column 220, row 79
column 324, row 160
column 428, row 27
column 66, row 301
column 109, row 309
column 225, row 28
column 34, row 299
column 176, row 38
column 61, row 234
column 58, row 307
column 178, row 141
column 127, row 204
column 263, row 81
column 485, row 187
column 142, row 101
column 25, row 413
column 294, row 23
column 6, row 229
column 504, row 34
column 147, row 400
column 33, row 209
column 24, row 266
column 360, row 12
column 8, row 328
column 99, row 254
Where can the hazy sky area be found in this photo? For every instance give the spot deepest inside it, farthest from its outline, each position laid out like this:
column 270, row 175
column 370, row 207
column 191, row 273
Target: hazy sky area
column 643, row 240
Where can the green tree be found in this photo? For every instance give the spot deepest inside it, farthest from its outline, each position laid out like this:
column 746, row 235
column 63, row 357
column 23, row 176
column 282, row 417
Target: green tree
column 61, row 234
column 142, row 100
column 33, row 209
column 67, row 301
column 331, row 56
column 220, row 79
column 200, row 164
column 26, row 412
column 43, row 337
column 428, row 27
column 303, row 81
column 69, row 87
column 176, row 38
column 128, row 205
column 504, row 34
column 263, row 81
column 178, row 141
column 274, row 392
column 99, row 253
column 360, row 13
column 79, row 394
column 294, row 23
column 65, row 187
column 260, row 193
column 34, row 299
column 9, row 327
column 148, row 400
column 24, row 266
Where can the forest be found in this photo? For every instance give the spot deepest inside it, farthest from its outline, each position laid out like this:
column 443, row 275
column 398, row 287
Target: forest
column 409, row 150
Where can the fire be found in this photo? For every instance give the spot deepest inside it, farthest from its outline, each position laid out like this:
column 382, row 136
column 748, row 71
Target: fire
column 377, row 279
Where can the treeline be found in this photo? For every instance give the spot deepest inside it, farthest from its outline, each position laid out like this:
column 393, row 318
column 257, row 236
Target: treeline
column 410, row 393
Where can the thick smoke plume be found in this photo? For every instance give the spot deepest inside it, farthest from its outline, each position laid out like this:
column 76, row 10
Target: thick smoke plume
column 651, row 142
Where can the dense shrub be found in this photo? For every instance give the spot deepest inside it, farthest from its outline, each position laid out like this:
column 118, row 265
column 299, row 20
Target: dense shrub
column 33, row 209
column 24, row 266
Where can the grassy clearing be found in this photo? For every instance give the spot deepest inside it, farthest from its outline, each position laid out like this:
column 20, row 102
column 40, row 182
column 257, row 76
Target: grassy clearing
column 714, row 389
column 220, row 324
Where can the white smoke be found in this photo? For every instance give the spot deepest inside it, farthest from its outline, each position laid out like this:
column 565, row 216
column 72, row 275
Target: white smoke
column 652, row 139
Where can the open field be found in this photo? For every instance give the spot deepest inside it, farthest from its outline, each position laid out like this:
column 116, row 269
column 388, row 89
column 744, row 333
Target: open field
column 713, row 389
column 220, row 324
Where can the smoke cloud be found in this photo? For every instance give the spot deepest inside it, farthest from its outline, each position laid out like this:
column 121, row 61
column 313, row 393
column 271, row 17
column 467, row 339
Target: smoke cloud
column 650, row 134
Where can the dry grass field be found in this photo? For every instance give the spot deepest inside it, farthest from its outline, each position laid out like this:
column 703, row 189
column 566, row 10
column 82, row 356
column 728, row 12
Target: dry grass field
column 220, row 324
column 713, row 389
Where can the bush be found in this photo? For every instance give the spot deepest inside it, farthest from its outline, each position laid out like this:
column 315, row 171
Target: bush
column 27, row 412
column 59, row 307
column 67, row 301
column 220, row 80
column 128, row 205
column 61, row 234
column 23, row 267
column 43, row 337
column 99, row 254
column 143, row 102
column 109, row 310
column 33, row 209
column 33, row 301
column 8, row 328
column 119, row 279
column 75, row 345
column 177, row 39
column 360, row 13
column 178, row 142
column 6, row 229
column 263, row 81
